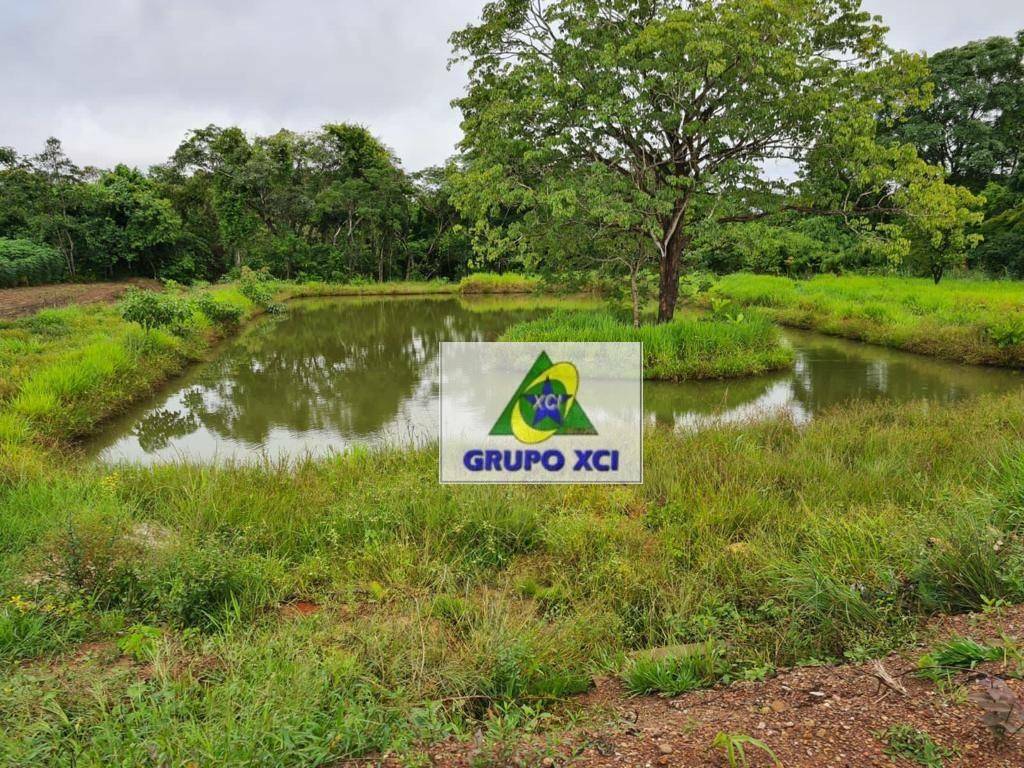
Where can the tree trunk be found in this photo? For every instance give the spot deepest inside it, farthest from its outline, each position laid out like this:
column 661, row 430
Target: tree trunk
column 634, row 295
column 668, row 278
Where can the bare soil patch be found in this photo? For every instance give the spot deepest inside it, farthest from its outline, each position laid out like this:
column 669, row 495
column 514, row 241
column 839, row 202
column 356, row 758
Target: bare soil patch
column 809, row 716
column 20, row 302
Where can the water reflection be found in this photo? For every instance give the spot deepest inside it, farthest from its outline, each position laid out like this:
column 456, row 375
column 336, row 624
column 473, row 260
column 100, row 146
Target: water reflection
column 327, row 374
column 333, row 373
column 827, row 372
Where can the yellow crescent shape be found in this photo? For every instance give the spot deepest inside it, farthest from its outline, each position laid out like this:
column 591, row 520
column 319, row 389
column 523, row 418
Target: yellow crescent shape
column 569, row 377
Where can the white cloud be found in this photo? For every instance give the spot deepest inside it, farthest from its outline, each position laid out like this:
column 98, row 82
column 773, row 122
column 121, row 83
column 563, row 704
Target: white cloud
column 123, row 80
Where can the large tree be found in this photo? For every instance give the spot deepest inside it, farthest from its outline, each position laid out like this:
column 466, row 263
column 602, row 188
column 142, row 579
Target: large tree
column 654, row 117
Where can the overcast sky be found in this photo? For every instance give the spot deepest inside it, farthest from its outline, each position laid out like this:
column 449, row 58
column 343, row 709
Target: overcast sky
column 123, row 80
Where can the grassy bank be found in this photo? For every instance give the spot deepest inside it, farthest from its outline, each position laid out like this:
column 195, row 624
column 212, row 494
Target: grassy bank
column 62, row 371
column 684, row 349
column 479, row 283
column 296, row 290
column 232, row 614
column 978, row 322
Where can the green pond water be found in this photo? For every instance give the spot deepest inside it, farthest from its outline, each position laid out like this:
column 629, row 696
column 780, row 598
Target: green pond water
column 334, row 373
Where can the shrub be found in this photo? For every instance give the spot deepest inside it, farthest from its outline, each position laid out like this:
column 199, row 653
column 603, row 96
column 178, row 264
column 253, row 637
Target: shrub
column 140, row 642
column 95, row 557
column 1007, row 331
column 220, row 312
column 255, row 286
column 153, row 310
column 207, row 588
column 23, row 262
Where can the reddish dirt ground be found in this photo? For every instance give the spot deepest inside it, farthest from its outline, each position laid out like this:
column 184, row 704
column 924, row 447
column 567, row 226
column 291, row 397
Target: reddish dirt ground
column 19, row 302
column 809, row 716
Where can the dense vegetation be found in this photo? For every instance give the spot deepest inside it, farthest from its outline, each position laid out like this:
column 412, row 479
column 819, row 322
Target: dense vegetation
column 979, row 322
column 333, row 204
column 684, row 349
column 23, row 262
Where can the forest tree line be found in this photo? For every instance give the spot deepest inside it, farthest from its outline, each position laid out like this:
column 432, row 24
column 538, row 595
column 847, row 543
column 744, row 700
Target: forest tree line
column 638, row 171
column 333, row 204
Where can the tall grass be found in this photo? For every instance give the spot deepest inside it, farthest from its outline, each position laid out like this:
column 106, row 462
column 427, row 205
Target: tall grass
column 364, row 288
column 683, row 349
column 488, row 282
column 969, row 321
column 790, row 544
column 479, row 283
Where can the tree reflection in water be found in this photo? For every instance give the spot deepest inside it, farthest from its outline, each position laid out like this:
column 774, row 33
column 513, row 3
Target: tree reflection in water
column 337, row 372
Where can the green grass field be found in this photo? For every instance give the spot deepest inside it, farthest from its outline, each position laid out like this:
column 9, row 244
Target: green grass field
column 980, row 322
column 684, row 349
column 240, row 615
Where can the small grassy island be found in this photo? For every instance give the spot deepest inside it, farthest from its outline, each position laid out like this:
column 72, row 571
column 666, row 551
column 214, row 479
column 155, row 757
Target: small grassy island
column 687, row 348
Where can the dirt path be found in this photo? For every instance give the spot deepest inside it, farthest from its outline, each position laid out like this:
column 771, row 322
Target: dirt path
column 19, row 302
column 810, row 717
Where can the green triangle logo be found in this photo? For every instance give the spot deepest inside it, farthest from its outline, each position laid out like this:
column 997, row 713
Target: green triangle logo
column 545, row 405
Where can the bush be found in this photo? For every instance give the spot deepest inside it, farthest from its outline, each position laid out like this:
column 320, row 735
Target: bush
column 220, row 312
column 255, row 286
column 153, row 310
column 23, row 262
column 208, row 587
column 1007, row 331
column 94, row 556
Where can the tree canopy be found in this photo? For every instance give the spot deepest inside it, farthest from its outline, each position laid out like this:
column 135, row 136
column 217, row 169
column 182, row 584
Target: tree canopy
column 332, row 204
column 974, row 127
column 655, row 117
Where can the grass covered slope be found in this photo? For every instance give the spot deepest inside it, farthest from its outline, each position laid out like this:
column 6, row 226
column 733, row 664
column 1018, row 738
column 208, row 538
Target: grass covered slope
column 683, row 349
column 969, row 321
column 64, row 370
column 260, row 615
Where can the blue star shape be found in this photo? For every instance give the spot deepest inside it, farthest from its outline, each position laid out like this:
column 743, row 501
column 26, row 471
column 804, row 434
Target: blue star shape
column 541, row 409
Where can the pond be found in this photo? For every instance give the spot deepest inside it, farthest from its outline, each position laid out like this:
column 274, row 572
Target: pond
column 334, row 373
